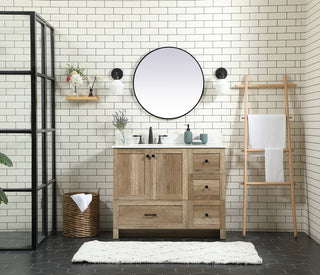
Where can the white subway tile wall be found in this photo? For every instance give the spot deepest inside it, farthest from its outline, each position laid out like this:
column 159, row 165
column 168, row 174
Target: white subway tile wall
column 310, row 124
column 262, row 38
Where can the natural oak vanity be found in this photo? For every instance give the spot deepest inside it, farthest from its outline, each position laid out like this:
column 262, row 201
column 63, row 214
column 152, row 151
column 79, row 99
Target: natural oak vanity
column 169, row 187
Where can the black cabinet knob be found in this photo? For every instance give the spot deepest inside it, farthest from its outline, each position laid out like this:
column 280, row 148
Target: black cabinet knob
column 206, row 160
column 206, row 186
column 206, row 214
column 153, row 155
column 148, row 156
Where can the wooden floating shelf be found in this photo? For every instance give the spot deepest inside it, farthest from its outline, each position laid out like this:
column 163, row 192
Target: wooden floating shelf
column 82, row 98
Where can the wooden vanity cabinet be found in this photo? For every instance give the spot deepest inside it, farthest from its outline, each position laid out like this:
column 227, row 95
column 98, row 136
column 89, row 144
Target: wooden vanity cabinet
column 169, row 188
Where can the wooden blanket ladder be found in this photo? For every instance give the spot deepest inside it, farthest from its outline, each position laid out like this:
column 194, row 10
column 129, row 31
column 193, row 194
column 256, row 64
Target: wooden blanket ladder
column 246, row 86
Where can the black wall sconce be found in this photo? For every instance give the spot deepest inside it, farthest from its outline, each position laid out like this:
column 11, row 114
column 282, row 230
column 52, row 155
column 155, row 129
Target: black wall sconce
column 222, row 84
column 116, row 85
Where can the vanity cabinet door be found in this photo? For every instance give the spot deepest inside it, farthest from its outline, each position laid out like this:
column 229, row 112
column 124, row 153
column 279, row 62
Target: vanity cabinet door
column 170, row 174
column 131, row 174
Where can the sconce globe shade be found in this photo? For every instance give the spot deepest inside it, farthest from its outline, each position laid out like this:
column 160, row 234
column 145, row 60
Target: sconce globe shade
column 222, row 86
column 116, row 87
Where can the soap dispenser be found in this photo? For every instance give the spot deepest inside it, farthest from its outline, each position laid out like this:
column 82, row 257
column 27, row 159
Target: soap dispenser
column 188, row 136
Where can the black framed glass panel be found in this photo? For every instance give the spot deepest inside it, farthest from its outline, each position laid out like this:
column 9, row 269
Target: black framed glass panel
column 16, row 218
column 26, row 137
column 15, row 102
column 15, row 42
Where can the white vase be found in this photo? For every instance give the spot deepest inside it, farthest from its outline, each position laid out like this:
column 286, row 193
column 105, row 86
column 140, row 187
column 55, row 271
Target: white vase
column 121, row 137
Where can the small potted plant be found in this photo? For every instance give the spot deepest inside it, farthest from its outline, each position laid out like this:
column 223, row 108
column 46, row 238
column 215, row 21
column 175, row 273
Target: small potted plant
column 5, row 160
column 75, row 77
column 120, row 121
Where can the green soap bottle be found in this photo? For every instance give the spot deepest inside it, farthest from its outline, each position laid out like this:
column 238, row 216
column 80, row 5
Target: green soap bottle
column 188, row 136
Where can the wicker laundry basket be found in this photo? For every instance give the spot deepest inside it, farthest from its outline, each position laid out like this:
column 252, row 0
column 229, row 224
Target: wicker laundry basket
column 77, row 224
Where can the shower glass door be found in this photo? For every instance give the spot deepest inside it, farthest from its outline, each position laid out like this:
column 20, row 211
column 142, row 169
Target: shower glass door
column 27, row 134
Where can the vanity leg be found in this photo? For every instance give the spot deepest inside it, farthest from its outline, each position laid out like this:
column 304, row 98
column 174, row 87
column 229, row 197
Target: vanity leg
column 222, row 234
column 116, row 233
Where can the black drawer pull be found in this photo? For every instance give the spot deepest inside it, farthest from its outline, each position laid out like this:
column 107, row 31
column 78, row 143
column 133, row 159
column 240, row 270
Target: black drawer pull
column 206, row 187
column 148, row 156
column 150, row 215
column 206, row 215
column 206, row 160
column 153, row 155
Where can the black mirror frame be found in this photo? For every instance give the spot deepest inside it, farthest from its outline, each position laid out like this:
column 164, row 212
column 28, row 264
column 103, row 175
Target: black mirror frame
column 203, row 82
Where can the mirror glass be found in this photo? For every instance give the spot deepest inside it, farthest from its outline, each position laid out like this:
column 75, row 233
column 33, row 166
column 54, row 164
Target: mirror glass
column 168, row 82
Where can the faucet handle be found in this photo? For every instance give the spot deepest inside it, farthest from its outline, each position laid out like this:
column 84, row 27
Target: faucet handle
column 140, row 138
column 160, row 136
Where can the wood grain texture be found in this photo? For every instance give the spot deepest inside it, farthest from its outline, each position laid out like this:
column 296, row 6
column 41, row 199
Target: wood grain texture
column 206, row 161
column 204, row 216
column 150, row 216
column 115, row 219
column 285, row 85
column 206, row 189
column 82, row 98
column 131, row 178
column 169, row 169
column 173, row 189
column 255, row 86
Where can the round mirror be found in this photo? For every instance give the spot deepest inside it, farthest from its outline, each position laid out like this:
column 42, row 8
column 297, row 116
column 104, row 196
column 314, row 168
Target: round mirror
column 168, row 82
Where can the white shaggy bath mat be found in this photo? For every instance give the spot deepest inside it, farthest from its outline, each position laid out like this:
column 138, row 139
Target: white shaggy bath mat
column 167, row 252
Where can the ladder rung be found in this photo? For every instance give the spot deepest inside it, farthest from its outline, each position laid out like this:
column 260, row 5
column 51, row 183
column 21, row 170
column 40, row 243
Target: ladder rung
column 290, row 117
column 252, row 86
column 262, row 150
column 266, row 183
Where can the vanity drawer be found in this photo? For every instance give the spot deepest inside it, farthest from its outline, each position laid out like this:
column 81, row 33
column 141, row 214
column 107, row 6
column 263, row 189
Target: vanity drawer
column 204, row 161
column 205, row 188
column 150, row 216
column 204, row 216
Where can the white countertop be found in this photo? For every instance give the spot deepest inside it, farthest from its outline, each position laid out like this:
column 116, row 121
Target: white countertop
column 200, row 146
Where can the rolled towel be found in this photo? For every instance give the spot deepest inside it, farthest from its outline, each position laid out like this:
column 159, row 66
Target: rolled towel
column 82, row 200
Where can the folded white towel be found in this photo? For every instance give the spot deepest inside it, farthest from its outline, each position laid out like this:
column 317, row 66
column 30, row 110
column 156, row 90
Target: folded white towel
column 267, row 131
column 82, row 200
column 274, row 165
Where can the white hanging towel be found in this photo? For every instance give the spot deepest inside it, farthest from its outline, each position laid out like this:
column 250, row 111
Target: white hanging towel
column 82, row 200
column 274, row 165
column 269, row 132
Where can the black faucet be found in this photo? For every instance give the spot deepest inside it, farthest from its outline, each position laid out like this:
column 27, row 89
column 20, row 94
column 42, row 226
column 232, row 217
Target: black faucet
column 150, row 140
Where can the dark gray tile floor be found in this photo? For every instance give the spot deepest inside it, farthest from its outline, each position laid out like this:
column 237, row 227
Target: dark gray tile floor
column 281, row 254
